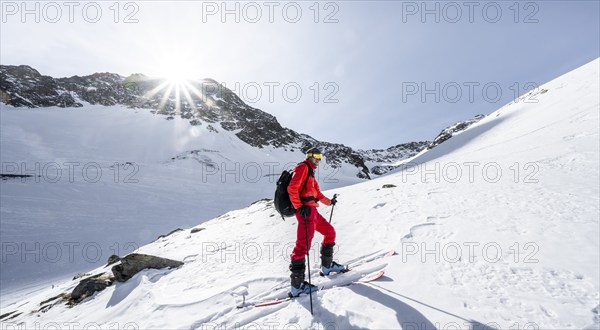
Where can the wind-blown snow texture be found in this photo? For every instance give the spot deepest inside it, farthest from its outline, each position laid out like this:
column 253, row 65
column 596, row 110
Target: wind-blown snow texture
column 496, row 227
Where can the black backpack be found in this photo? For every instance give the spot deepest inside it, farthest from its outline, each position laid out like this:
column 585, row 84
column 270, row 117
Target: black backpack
column 282, row 201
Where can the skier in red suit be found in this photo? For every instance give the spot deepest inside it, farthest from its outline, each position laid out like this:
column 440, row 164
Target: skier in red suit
column 305, row 196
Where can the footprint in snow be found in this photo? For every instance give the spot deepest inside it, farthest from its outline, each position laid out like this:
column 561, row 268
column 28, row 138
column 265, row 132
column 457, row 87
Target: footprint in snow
column 435, row 192
column 415, row 228
column 380, row 205
column 432, row 218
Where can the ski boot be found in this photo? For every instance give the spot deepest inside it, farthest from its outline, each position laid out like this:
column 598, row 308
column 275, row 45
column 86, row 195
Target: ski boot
column 327, row 264
column 304, row 288
column 298, row 284
column 334, row 267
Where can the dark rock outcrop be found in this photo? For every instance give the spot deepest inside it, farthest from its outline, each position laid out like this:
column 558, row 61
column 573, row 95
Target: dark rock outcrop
column 88, row 286
column 113, row 259
column 196, row 230
column 134, row 263
column 9, row 315
column 169, row 234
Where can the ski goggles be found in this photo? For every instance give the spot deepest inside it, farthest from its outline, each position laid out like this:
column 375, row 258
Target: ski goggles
column 315, row 156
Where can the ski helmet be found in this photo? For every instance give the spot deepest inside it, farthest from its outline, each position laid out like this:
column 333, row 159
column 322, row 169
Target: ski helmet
column 314, row 153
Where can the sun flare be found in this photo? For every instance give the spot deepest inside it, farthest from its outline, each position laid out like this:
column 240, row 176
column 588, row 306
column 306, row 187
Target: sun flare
column 176, row 68
column 179, row 87
column 177, row 76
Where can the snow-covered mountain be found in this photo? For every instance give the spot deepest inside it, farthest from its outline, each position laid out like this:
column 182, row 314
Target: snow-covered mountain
column 201, row 102
column 498, row 227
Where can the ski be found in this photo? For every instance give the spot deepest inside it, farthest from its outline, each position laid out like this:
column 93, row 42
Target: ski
column 351, row 264
column 333, row 283
column 355, row 263
column 372, row 257
column 279, row 291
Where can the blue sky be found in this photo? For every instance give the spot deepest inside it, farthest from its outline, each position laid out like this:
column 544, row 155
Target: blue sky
column 365, row 74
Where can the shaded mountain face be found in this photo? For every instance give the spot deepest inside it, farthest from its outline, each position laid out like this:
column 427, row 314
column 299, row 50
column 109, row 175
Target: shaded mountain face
column 202, row 102
column 23, row 86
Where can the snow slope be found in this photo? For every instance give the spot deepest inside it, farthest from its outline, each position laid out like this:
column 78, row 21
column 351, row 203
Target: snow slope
column 496, row 228
column 127, row 174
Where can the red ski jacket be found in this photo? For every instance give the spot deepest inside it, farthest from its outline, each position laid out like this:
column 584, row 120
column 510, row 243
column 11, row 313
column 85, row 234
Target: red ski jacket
column 311, row 189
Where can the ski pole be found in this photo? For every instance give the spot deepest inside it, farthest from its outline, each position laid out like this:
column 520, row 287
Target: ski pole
column 331, row 215
column 308, row 261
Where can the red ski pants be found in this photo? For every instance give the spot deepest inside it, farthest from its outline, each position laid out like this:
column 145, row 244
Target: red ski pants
column 315, row 222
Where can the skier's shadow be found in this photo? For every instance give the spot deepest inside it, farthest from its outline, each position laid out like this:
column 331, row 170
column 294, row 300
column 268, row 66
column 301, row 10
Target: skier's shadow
column 407, row 316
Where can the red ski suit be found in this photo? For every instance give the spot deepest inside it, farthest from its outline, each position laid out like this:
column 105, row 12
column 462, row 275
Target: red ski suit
column 315, row 220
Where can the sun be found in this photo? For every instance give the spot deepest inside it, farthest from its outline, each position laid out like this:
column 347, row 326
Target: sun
column 176, row 74
column 178, row 86
column 176, row 68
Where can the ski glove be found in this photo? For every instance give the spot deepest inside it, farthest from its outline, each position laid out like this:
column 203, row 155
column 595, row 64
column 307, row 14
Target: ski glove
column 334, row 200
column 304, row 211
